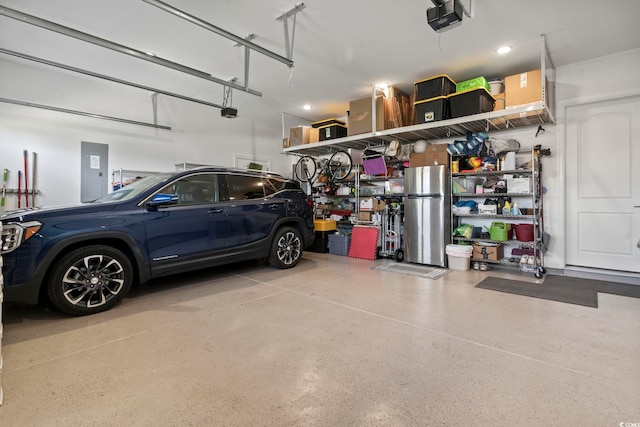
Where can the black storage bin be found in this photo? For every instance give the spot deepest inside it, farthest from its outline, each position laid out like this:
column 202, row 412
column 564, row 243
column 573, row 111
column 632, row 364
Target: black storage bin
column 440, row 85
column 472, row 101
column 332, row 131
column 431, row 110
column 327, row 122
column 321, row 243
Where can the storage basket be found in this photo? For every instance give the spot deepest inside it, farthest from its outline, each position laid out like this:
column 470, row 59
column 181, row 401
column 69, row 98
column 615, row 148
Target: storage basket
column 374, row 165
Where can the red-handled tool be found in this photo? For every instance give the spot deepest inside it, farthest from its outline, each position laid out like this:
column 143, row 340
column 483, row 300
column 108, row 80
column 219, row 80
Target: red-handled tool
column 26, row 179
column 19, row 186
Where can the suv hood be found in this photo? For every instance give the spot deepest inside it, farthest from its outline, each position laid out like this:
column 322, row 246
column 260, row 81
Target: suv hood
column 33, row 214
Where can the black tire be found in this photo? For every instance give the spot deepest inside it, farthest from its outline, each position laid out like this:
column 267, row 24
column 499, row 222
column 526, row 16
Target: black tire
column 90, row 280
column 399, row 255
column 286, row 248
column 305, row 169
column 340, row 165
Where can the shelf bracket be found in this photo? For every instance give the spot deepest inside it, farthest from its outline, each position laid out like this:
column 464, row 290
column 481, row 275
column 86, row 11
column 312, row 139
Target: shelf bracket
column 285, row 22
column 247, row 51
column 154, row 102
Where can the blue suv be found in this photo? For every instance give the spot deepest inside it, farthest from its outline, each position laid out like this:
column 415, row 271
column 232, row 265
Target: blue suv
column 86, row 258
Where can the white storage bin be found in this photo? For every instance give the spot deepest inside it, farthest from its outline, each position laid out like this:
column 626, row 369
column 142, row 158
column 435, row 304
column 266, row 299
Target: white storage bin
column 458, row 263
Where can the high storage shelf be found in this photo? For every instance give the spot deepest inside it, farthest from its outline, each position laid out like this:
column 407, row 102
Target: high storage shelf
column 534, row 114
column 524, row 116
column 535, row 218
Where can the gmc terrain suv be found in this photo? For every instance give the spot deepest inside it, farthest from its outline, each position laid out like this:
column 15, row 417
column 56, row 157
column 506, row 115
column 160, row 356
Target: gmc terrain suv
column 85, row 258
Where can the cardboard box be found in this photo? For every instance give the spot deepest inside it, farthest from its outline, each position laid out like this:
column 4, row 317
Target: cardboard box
column 500, row 102
column 523, row 88
column 488, row 251
column 360, row 115
column 392, row 111
column 366, row 204
column 303, row 135
column 518, row 185
column 378, row 205
column 286, row 143
column 487, row 209
column 433, row 155
column 365, row 216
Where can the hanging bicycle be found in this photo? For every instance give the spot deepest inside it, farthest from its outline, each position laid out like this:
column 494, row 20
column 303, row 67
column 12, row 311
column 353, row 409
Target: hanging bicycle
column 336, row 168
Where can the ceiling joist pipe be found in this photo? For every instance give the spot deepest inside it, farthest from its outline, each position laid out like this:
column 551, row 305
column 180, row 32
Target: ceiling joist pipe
column 208, row 26
column 104, row 77
column 61, row 29
column 82, row 113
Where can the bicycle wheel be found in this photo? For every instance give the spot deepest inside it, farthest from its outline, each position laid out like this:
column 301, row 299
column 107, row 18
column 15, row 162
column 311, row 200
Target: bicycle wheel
column 339, row 165
column 305, row 169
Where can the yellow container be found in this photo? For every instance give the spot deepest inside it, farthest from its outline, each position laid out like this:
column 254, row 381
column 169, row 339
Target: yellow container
column 324, row 224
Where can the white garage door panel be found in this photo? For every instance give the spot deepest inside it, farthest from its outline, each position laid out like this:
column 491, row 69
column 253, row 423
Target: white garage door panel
column 601, row 233
column 604, row 166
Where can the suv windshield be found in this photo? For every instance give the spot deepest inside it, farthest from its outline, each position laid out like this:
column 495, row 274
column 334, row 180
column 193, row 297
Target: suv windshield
column 135, row 188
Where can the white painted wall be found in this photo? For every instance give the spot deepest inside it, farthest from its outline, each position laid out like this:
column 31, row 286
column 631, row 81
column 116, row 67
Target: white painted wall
column 198, row 135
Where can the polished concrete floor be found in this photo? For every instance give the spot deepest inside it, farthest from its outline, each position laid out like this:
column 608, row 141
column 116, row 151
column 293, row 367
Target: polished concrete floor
column 331, row 343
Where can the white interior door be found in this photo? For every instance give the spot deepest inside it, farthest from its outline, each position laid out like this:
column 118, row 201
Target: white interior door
column 603, row 184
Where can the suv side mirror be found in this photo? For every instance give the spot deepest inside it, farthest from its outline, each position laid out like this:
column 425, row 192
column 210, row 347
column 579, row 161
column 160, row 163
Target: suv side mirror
column 161, row 199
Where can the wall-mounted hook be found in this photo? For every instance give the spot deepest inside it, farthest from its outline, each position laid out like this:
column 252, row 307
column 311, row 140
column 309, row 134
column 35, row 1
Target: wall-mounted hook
column 540, row 129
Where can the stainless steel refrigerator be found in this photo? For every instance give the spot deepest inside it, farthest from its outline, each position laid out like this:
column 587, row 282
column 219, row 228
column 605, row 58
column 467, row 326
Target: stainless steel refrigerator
column 427, row 214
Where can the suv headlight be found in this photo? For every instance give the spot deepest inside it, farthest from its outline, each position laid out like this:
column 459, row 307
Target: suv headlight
column 14, row 234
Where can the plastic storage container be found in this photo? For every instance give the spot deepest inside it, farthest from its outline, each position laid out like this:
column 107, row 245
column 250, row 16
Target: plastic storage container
column 458, row 263
column 473, row 84
column 440, row 85
column 524, row 232
column 431, row 110
column 473, row 101
column 339, row 244
column 326, row 122
column 332, row 131
column 324, row 225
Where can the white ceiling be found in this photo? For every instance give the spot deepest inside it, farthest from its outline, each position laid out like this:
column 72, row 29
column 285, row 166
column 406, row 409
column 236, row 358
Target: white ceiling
column 340, row 47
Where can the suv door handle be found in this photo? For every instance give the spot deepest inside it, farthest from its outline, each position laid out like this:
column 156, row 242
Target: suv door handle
column 214, row 211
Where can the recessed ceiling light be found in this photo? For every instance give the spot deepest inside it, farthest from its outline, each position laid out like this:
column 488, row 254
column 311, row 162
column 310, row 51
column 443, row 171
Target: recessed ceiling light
column 307, row 107
column 383, row 87
column 503, row 49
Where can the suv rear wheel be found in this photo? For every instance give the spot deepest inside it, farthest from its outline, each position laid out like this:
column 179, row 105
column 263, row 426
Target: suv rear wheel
column 286, row 248
column 90, row 280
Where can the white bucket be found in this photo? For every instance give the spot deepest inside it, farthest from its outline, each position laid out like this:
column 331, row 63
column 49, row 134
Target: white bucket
column 497, row 86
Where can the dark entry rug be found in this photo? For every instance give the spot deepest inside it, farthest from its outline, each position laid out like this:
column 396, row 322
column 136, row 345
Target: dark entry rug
column 571, row 290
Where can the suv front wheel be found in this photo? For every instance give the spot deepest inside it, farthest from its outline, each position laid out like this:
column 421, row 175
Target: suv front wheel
column 286, row 248
column 90, row 280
